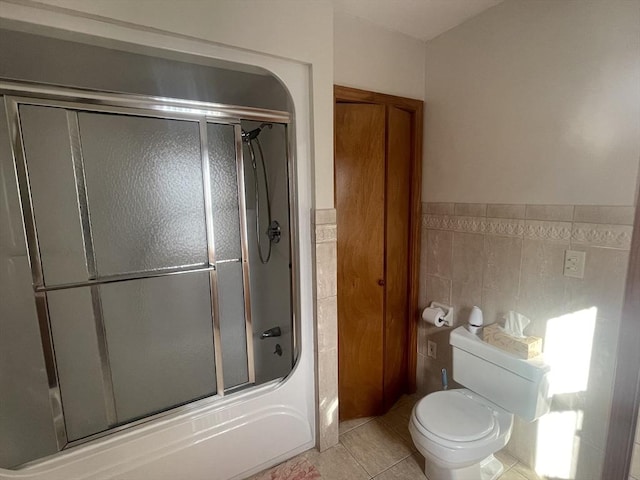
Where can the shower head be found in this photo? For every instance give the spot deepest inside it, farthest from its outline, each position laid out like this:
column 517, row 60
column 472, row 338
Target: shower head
column 252, row 134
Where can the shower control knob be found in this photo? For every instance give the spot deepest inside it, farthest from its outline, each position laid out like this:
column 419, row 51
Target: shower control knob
column 272, row 332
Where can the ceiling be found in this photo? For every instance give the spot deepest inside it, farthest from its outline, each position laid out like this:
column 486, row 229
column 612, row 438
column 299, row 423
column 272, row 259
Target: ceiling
column 421, row 19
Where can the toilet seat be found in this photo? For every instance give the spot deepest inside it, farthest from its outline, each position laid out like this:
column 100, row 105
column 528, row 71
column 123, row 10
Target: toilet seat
column 482, row 437
column 455, row 416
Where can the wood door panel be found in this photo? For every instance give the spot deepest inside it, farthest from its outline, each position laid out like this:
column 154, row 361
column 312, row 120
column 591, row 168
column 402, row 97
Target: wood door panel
column 359, row 176
column 397, row 253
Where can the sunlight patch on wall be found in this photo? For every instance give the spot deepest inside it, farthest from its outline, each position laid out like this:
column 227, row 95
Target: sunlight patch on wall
column 568, row 345
column 558, row 445
column 567, row 349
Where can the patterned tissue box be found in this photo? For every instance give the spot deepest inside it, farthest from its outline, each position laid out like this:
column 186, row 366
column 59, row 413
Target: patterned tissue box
column 527, row 347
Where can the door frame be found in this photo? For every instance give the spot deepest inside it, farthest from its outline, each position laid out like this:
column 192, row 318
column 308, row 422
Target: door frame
column 415, row 107
column 626, row 388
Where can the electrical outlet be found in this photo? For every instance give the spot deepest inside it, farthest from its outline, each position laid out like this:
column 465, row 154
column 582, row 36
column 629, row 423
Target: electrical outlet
column 432, row 349
column 574, row 261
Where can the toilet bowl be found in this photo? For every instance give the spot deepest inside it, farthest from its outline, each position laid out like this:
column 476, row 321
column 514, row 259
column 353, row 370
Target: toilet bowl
column 458, row 432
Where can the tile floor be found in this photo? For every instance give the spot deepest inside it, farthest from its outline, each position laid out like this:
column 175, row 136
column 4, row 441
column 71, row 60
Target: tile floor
column 380, row 448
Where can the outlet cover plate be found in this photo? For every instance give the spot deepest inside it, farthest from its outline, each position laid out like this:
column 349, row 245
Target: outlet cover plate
column 574, row 261
column 432, row 349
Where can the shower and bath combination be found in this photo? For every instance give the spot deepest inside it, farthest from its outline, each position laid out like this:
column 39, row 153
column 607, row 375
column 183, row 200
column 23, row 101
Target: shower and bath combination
column 273, row 230
column 134, row 311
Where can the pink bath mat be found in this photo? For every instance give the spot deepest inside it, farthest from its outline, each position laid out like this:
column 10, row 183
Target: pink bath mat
column 294, row 469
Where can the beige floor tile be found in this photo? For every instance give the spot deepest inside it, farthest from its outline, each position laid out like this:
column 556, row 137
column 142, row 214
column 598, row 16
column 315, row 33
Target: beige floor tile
column 512, row 475
column 411, row 468
column 398, row 420
column 375, row 446
column 507, row 460
column 336, row 463
column 347, row 425
column 526, row 472
column 406, row 402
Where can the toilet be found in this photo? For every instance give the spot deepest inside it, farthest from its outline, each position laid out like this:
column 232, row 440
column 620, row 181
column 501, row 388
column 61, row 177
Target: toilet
column 458, row 431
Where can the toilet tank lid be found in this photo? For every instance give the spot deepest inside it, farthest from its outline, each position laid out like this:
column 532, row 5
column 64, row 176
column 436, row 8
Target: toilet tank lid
column 533, row 369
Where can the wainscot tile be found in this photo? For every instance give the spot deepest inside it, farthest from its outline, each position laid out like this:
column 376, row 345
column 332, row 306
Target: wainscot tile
column 438, row 289
column 327, row 399
column 553, row 213
column 327, row 323
column 604, row 214
column 497, row 210
column 438, row 208
column 325, row 216
column 439, row 247
column 464, row 295
column 471, row 209
column 603, row 283
column 468, row 257
column 502, row 260
column 326, row 268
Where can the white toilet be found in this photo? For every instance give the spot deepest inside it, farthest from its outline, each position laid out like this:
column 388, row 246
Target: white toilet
column 458, row 431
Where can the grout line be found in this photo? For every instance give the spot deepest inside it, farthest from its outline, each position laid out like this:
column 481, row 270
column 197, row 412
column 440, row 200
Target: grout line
column 390, row 467
column 518, row 291
column 484, row 267
column 355, row 459
column 357, row 426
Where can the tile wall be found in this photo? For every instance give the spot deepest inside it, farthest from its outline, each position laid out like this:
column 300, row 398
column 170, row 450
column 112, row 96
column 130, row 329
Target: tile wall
column 326, row 310
column 511, row 257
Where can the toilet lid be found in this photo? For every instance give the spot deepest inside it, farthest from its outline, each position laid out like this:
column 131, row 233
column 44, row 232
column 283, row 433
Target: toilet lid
column 454, row 416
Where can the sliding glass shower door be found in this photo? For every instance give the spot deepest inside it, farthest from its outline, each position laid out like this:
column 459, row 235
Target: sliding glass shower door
column 136, row 236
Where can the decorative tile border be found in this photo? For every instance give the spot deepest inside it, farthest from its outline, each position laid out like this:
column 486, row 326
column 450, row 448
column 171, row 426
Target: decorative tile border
column 505, row 227
column 589, row 234
column 491, row 226
column 326, row 233
column 559, row 232
column 599, row 235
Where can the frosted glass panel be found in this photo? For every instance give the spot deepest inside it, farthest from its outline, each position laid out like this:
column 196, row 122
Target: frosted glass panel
column 26, row 429
column 160, row 338
column 232, row 324
column 144, row 183
column 55, row 201
column 224, row 190
column 74, row 336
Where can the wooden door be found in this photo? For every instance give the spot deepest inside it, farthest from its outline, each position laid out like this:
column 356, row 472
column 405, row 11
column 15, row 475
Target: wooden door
column 397, row 243
column 360, row 181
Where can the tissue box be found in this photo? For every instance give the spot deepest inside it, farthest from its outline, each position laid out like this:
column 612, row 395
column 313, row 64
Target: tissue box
column 527, row 347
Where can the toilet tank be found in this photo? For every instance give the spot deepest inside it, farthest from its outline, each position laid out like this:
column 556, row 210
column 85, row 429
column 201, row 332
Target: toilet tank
column 519, row 386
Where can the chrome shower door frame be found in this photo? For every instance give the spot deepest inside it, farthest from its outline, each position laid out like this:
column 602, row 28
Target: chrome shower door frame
column 75, row 100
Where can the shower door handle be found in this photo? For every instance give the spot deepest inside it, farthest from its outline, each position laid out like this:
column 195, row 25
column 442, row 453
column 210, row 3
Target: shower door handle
column 381, row 282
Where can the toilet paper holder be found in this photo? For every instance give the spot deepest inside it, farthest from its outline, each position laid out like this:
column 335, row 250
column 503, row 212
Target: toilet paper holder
column 448, row 312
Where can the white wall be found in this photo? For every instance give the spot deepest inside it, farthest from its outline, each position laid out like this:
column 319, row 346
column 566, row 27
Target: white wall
column 301, row 31
column 535, row 102
column 372, row 58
